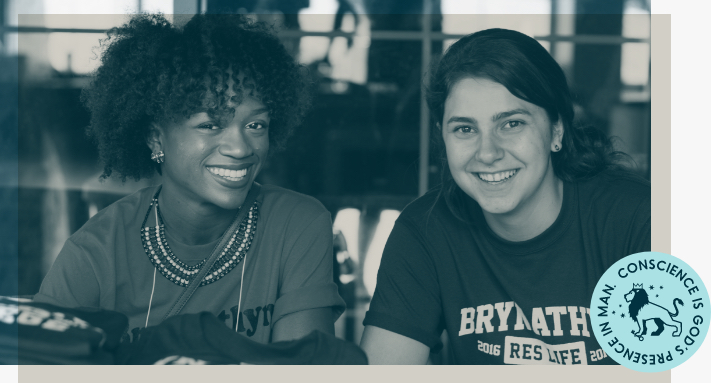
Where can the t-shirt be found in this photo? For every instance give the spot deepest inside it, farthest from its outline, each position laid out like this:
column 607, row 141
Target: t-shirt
column 505, row 302
column 288, row 267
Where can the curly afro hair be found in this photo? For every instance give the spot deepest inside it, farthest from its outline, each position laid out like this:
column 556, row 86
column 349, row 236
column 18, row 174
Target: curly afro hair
column 152, row 71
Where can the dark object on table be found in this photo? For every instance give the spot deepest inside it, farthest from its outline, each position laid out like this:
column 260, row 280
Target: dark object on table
column 40, row 333
column 203, row 339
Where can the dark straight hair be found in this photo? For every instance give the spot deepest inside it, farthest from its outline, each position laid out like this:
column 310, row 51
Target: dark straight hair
column 527, row 70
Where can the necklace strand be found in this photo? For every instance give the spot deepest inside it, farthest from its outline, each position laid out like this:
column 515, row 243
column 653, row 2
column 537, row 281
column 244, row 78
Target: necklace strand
column 159, row 252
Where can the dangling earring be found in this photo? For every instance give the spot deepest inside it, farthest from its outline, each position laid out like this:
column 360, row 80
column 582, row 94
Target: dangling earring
column 557, row 148
column 159, row 157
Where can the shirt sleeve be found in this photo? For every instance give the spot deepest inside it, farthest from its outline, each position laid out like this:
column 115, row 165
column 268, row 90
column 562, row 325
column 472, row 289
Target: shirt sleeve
column 71, row 281
column 407, row 294
column 641, row 229
column 632, row 230
column 307, row 270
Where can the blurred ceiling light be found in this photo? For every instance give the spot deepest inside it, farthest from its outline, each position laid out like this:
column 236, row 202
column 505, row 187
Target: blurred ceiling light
column 313, row 48
column 16, row 9
column 565, row 7
column 375, row 250
column 10, row 44
column 90, row 7
column 500, row 7
column 73, row 52
column 339, row 87
column 636, row 23
column 319, row 16
column 348, row 24
column 153, row 6
column 531, row 17
column 105, row 14
column 635, row 64
column 564, row 51
column 349, row 63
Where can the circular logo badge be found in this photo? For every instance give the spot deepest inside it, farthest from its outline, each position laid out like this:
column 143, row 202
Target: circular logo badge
column 650, row 312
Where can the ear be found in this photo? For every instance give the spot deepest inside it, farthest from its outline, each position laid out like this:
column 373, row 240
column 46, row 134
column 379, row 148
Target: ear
column 557, row 131
column 438, row 127
column 154, row 138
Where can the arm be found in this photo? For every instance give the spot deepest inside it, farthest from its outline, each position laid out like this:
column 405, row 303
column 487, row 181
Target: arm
column 71, row 282
column 634, row 220
column 643, row 238
column 386, row 347
column 308, row 298
column 300, row 324
column 404, row 318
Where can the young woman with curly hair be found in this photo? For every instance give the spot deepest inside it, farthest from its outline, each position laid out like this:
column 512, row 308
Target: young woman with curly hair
column 531, row 212
column 202, row 105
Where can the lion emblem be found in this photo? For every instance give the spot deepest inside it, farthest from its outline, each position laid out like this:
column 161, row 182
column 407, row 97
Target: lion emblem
column 642, row 310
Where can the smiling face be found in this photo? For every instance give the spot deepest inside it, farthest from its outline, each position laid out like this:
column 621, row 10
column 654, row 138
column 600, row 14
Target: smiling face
column 498, row 148
column 211, row 161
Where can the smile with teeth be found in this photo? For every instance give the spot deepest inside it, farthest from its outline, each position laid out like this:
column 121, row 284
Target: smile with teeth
column 232, row 175
column 497, row 177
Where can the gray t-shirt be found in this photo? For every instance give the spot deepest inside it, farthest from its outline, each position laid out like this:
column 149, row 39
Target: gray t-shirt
column 288, row 267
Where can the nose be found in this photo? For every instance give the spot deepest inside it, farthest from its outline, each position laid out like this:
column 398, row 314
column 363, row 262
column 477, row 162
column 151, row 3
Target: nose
column 489, row 151
column 234, row 142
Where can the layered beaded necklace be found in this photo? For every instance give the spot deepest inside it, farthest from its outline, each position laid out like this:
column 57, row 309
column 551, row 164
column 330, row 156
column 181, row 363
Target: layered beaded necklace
column 159, row 253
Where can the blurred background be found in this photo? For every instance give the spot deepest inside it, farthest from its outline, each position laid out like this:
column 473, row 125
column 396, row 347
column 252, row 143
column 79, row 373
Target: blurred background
column 364, row 151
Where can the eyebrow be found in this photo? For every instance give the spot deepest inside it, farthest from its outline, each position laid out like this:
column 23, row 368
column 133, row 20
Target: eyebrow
column 255, row 112
column 259, row 111
column 461, row 119
column 510, row 113
column 496, row 117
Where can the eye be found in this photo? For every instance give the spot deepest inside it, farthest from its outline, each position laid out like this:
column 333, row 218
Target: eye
column 256, row 125
column 513, row 124
column 463, row 129
column 208, row 126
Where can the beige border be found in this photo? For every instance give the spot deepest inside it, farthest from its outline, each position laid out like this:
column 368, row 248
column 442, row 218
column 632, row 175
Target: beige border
column 339, row 374
column 661, row 241
column 661, row 133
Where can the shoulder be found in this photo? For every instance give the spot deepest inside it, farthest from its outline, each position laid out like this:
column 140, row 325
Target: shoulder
column 93, row 248
column 125, row 212
column 617, row 207
column 427, row 208
column 427, row 215
column 291, row 205
column 616, row 187
column 620, row 196
column 616, row 182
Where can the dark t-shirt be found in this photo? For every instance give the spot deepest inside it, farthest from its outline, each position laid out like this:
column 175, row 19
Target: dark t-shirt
column 505, row 302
